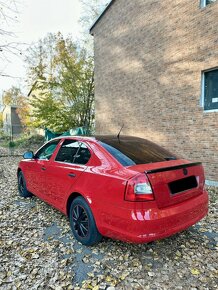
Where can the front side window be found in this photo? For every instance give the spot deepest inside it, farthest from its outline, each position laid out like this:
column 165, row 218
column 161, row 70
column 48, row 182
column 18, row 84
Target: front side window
column 68, row 151
column 47, row 151
column 207, row 2
column 210, row 90
column 73, row 151
column 83, row 155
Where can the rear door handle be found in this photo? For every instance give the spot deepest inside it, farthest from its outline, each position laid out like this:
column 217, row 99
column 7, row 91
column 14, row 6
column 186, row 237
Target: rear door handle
column 43, row 168
column 72, row 175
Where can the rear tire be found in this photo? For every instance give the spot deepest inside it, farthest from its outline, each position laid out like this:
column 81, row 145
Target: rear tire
column 82, row 223
column 22, row 186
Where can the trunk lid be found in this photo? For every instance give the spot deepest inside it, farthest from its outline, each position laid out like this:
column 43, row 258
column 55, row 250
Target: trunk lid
column 173, row 181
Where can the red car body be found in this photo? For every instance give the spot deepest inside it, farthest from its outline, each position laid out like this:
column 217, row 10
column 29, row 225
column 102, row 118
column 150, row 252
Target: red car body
column 107, row 187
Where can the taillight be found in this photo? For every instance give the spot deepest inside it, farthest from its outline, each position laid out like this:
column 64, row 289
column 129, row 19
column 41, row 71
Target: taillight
column 139, row 189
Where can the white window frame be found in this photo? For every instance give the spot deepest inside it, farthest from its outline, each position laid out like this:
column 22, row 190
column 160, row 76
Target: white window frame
column 203, row 3
column 203, row 89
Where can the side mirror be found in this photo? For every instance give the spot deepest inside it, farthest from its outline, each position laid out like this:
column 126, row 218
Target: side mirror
column 28, row 155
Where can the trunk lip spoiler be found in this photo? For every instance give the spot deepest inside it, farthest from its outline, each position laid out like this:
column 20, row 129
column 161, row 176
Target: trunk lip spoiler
column 176, row 167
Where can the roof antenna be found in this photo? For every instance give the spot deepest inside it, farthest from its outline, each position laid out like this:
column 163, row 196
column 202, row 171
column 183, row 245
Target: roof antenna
column 118, row 135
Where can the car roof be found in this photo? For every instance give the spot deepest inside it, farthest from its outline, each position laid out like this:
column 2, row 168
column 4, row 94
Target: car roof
column 136, row 148
column 102, row 138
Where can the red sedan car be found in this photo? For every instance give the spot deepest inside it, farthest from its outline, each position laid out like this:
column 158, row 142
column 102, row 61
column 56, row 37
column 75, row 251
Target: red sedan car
column 124, row 187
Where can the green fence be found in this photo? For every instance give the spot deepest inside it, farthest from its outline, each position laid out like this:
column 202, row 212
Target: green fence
column 79, row 131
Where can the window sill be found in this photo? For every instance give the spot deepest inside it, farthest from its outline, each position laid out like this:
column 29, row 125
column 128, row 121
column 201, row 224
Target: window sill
column 210, row 111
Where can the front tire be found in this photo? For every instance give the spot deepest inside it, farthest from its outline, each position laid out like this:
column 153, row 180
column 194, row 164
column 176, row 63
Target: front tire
column 82, row 223
column 22, row 186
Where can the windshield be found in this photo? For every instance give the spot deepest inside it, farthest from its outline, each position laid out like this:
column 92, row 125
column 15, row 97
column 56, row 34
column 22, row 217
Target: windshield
column 132, row 150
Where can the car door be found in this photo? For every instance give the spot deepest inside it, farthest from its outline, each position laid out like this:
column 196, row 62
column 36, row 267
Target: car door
column 64, row 171
column 36, row 170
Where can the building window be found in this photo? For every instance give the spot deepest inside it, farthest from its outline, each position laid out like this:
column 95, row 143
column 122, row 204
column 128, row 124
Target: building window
column 206, row 2
column 210, row 90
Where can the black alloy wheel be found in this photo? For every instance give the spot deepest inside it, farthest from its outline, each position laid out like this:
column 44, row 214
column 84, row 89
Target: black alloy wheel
column 82, row 222
column 22, row 186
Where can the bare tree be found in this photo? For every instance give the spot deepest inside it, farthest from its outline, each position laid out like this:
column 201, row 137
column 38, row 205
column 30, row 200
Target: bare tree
column 91, row 9
column 8, row 44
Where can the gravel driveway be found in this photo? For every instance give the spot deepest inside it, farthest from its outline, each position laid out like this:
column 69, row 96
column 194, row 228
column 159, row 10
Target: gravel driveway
column 37, row 250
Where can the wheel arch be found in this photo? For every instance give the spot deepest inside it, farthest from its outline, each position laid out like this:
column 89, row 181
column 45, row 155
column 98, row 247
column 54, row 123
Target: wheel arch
column 70, row 199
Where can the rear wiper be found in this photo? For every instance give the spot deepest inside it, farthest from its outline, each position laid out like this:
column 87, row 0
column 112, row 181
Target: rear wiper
column 170, row 158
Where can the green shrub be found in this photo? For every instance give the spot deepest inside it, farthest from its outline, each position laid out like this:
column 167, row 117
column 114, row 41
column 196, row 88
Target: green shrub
column 12, row 144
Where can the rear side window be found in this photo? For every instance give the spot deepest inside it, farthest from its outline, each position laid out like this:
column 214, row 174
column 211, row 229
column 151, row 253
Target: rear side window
column 132, row 150
column 122, row 158
column 74, row 152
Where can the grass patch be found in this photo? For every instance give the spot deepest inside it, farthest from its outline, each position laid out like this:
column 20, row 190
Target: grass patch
column 22, row 142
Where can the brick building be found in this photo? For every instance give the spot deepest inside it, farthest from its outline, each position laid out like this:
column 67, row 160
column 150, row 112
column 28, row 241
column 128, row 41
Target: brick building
column 156, row 72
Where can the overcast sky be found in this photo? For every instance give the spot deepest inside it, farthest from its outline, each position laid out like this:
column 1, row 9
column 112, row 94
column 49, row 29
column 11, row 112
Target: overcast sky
column 35, row 20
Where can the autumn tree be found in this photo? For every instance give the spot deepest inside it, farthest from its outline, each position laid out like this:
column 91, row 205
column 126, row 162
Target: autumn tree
column 61, row 77
column 12, row 96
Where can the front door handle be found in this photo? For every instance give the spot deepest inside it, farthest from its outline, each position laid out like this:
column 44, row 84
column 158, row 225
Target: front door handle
column 43, row 168
column 72, row 175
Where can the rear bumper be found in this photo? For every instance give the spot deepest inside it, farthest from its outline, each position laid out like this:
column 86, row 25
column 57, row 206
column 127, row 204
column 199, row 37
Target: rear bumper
column 145, row 222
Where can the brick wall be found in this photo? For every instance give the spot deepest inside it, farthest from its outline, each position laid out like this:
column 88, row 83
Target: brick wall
column 149, row 56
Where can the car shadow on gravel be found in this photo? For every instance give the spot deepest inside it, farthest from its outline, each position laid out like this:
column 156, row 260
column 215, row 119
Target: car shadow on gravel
column 81, row 254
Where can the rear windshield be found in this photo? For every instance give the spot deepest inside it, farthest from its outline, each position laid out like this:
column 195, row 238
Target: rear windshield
column 132, row 150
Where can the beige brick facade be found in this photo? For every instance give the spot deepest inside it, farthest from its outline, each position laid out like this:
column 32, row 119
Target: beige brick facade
column 149, row 58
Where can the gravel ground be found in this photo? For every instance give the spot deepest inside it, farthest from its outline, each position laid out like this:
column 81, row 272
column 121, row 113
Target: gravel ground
column 38, row 251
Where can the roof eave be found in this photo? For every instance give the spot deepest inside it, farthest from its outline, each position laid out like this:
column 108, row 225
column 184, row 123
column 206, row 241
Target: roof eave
column 101, row 15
